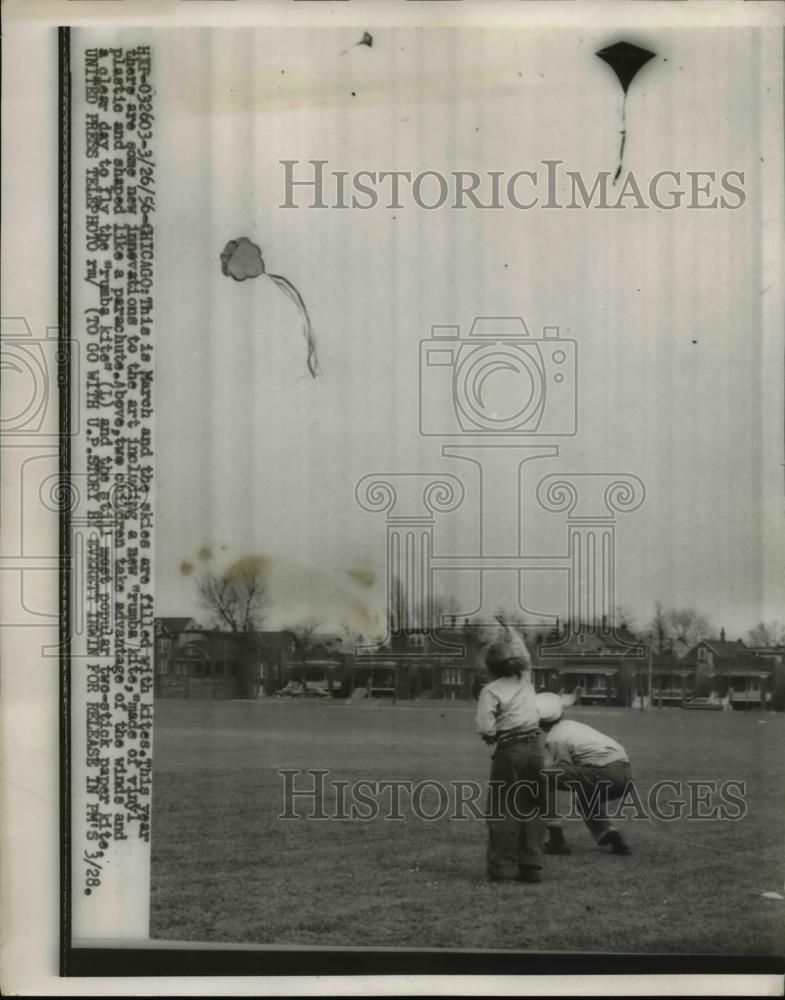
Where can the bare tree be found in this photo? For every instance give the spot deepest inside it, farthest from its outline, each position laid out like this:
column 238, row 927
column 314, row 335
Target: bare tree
column 438, row 613
column 349, row 632
column 402, row 615
column 683, row 624
column 355, row 639
column 304, row 633
column 452, row 608
column 658, row 626
column 623, row 617
column 236, row 600
column 689, row 625
column 767, row 634
column 396, row 603
column 445, row 612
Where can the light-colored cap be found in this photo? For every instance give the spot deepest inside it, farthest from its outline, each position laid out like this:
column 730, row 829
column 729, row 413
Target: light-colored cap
column 549, row 707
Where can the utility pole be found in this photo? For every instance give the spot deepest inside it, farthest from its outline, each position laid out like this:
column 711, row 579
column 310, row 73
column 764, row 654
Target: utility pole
column 649, row 666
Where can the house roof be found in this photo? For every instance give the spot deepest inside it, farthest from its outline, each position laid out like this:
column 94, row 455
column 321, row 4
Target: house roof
column 320, row 644
column 726, row 654
column 675, row 649
column 333, row 641
column 725, row 648
column 618, row 643
column 275, row 639
column 668, row 659
column 174, row 626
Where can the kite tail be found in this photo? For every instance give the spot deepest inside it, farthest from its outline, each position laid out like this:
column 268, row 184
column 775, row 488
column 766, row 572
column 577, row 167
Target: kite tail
column 623, row 137
column 294, row 295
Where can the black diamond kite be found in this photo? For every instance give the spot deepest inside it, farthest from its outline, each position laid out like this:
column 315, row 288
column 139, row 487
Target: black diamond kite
column 367, row 39
column 625, row 60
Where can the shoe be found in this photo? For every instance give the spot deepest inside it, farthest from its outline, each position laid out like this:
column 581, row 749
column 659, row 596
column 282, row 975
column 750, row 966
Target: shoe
column 618, row 844
column 555, row 842
column 530, row 877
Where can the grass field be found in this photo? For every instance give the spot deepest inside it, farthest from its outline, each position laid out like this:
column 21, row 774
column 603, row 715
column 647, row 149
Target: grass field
column 226, row 869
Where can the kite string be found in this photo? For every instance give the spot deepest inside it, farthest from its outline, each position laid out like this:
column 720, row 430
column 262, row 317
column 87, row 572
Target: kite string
column 623, row 136
column 294, row 295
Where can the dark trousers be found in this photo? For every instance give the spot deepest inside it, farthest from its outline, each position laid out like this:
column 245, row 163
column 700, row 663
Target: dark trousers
column 593, row 787
column 515, row 827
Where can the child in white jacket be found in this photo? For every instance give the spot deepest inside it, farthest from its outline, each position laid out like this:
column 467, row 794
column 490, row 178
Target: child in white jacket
column 587, row 762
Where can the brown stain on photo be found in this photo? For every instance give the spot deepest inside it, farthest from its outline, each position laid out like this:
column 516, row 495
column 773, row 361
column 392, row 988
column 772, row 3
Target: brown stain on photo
column 363, row 620
column 205, row 552
column 365, row 577
column 186, row 567
column 247, row 567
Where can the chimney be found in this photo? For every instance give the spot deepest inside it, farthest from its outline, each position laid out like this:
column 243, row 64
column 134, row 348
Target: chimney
column 722, row 635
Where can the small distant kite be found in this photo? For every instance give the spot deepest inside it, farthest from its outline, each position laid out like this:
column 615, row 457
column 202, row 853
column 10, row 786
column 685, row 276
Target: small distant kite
column 367, row 39
column 242, row 259
column 625, row 60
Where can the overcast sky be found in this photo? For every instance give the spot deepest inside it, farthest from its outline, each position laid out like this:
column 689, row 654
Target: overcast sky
column 256, row 458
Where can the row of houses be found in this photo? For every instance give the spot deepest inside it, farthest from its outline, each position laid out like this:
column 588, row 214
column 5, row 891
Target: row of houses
column 617, row 668
column 589, row 665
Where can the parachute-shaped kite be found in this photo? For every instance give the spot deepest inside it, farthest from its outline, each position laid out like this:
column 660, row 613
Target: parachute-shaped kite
column 242, row 259
column 625, row 60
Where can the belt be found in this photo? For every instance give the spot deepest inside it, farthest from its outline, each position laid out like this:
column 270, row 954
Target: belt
column 515, row 735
